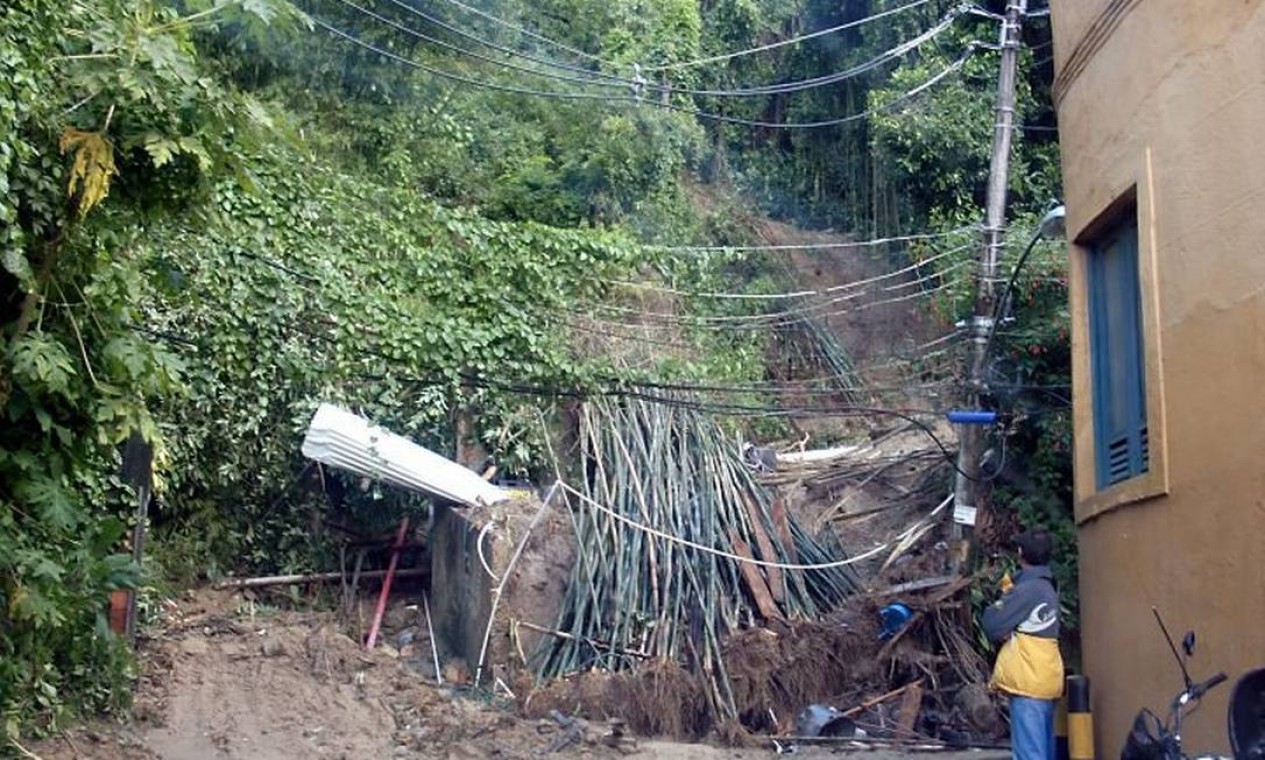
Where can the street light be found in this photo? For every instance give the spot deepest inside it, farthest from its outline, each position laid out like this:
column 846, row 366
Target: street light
column 1053, row 224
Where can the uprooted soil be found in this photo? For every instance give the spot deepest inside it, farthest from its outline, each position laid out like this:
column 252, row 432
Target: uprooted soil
column 775, row 671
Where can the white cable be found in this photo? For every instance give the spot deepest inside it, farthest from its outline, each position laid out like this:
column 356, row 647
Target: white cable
column 669, row 320
column 824, row 80
column 538, row 37
column 500, row 586
column 929, row 277
column 781, row 296
column 751, row 560
column 605, row 79
column 815, row 246
column 654, row 103
column 483, row 560
column 791, row 41
column 697, row 62
column 793, row 314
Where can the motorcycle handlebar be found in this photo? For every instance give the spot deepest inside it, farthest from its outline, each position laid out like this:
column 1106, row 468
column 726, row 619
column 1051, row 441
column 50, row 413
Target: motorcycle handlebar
column 1199, row 689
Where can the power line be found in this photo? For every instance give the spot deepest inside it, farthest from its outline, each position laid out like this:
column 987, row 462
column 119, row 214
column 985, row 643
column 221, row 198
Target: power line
column 947, row 71
column 527, row 32
column 828, row 79
column 817, row 246
column 459, row 77
column 308, row 283
column 696, row 62
column 792, row 295
column 751, row 560
column 791, row 41
column 772, row 318
column 589, row 80
column 902, row 358
column 631, row 391
column 638, row 84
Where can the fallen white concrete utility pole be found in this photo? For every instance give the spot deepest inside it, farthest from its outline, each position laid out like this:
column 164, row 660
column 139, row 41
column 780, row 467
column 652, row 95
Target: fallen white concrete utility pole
column 340, row 439
column 817, row 455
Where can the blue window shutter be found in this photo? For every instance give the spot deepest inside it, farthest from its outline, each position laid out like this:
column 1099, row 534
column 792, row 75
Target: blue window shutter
column 1118, row 365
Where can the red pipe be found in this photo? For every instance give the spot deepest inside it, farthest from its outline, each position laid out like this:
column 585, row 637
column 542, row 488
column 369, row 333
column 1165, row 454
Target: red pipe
column 386, row 585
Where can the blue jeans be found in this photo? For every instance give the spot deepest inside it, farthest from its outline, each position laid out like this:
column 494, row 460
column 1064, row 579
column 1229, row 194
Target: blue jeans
column 1032, row 728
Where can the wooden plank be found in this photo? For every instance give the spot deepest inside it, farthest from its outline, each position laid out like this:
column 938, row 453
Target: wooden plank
column 782, row 523
column 910, row 706
column 867, row 704
column 776, row 582
column 755, row 581
column 923, row 584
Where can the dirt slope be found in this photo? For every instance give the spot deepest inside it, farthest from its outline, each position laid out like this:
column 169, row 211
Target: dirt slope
column 872, row 331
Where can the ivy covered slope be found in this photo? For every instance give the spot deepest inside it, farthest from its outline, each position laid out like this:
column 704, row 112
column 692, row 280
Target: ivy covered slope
column 180, row 261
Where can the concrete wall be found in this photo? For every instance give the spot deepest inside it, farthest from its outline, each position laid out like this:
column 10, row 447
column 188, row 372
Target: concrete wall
column 1163, row 102
column 462, row 591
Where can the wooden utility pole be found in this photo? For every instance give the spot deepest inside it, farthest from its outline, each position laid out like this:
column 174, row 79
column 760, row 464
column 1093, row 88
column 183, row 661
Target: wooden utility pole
column 967, row 488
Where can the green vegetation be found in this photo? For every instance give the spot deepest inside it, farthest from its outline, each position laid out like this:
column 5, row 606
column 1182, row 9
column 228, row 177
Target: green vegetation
column 214, row 214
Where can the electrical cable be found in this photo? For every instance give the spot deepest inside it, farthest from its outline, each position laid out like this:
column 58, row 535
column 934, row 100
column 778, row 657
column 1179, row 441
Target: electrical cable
column 482, row 557
column 451, row 76
column 526, row 32
column 789, row 315
column 590, row 81
column 801, row 85
column 635, row 85
column 637, row 338
column 751, row 560
column 779, row 389
column 818, row 246
column 789, row 386
column 663, row 320
column 700, row 61
column 307, row 280
column 631, row 390
column 792, row 41
column 740, row 410
column 947, row 71
column 797, row 294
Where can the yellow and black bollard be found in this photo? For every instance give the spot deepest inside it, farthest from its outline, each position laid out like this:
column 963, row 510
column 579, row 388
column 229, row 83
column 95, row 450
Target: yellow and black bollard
column 1080, row 722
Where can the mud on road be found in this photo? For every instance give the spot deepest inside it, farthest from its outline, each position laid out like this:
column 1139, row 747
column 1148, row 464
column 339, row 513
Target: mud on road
column 219, row 683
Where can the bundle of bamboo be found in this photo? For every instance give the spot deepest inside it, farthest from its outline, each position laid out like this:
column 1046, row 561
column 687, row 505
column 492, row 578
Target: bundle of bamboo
column 678, row 546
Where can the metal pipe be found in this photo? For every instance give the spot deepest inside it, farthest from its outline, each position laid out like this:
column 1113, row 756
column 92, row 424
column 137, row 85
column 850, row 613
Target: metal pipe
column 386, row 586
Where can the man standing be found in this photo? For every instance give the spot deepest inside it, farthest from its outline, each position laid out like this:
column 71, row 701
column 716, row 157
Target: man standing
column 1029, row 669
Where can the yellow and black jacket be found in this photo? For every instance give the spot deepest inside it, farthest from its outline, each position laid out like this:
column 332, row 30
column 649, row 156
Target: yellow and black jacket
column 1026, row 621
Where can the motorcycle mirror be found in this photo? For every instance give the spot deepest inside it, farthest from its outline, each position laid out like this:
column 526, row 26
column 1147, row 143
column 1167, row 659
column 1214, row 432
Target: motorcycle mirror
column 1188, row 643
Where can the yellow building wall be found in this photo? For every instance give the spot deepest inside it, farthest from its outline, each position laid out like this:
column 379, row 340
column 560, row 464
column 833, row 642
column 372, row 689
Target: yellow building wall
column 1164, row 100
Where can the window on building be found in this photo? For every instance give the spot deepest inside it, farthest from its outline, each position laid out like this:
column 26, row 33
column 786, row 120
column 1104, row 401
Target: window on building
column 1117, row 357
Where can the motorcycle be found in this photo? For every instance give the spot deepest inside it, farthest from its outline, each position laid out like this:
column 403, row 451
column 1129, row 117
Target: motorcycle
column 1155, row 739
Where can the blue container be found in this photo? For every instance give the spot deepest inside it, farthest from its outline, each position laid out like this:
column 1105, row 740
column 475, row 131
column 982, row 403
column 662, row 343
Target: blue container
column 894, row 617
